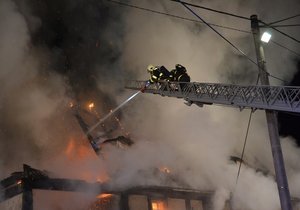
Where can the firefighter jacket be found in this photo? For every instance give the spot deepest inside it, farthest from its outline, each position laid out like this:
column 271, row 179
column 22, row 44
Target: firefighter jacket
column 179, row 74
column 159, row 73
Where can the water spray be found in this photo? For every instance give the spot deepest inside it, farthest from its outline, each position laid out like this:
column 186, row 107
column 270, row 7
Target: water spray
column 116, row 109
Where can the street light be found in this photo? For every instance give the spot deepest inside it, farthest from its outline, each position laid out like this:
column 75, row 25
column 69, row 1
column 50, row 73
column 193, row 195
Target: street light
column 266, row 37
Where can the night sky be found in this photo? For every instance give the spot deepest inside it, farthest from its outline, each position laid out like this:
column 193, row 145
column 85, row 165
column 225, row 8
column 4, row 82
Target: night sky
column 289, row 122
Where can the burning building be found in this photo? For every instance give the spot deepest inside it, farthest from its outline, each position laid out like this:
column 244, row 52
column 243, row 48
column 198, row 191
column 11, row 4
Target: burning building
column 21, row 189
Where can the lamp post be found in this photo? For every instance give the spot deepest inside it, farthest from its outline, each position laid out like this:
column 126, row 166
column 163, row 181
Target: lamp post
column 281, row 178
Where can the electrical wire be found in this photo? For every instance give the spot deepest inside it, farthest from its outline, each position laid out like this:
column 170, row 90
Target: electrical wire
column 175, row 16
column 282, row 26
column 275, row 29
column 207, row 24
column 197, row 21
column 244, row 54
column 212, row 10
column 244, row 147
column 280, row 45
column 278, row 78
column 216, row 31
column 246, row 138
column 278, row 21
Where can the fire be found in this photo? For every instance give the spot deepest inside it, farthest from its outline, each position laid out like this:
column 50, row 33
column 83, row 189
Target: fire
column 77, row 151
column 158, row 205
column 104, row 195
column 91, row 106
column 70, row 148
column 165, row 170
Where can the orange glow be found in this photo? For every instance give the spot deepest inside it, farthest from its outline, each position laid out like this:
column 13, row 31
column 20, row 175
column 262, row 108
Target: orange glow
column 100, row 196
column 100, row 179
column 77, row 151
column 165, row 170
column 158, row 205
column 70, row 148
column 91, row 106
column 19, row 182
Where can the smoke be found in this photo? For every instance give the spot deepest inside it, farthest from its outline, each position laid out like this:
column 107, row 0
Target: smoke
column 220, row 198
column 53, row 52
column 196, row 143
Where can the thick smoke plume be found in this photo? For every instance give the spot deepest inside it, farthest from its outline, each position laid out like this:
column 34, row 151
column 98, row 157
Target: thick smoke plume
column 55, row 52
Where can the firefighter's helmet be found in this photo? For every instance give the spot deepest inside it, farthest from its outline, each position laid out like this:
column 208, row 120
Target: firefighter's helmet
column 180, row 67
column 150, row 68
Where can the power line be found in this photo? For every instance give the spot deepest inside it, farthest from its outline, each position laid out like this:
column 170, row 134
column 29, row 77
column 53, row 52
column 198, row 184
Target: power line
column 246, row 136
column 270, row 75
column 280, row 45
column 268, row 25
column 277, row 26
column 244, row 54
column 278, row 21
column 207, row 24
column 197, row 21
column 212, row 10
column 215, row 31
column 176, row 16
column 244, row 146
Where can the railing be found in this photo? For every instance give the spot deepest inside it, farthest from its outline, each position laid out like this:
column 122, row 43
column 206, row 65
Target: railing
column 279, row 98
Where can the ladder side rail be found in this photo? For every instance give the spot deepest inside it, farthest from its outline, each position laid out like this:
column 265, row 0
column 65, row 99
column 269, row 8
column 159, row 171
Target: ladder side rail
column 281, row 98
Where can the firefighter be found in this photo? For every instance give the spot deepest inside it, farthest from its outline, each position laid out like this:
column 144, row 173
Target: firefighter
column 179, row 74
column 158, row 73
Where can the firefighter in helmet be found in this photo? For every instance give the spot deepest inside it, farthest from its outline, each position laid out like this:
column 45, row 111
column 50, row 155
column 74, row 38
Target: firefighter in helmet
column 179, row 74
column 158, row 73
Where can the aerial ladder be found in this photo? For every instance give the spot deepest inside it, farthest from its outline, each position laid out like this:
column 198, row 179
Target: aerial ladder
column 263, row 97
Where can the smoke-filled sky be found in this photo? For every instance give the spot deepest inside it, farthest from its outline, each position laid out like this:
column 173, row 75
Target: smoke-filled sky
column 56, row 51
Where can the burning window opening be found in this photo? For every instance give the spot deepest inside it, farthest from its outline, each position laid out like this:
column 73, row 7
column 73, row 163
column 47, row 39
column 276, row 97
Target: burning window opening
column 158, row 205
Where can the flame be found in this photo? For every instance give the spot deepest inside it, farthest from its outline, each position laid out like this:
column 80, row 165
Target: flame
column 77, row 151
column 71, row 104
column 104, row 195
column 158, row 205
column 91, row 105
column 165, row 170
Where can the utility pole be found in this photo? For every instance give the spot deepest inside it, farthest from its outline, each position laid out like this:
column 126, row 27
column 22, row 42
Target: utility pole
column 281, row 178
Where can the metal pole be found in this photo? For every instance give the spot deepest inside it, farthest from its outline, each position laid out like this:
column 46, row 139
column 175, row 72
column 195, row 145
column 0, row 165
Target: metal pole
column 281, row 178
